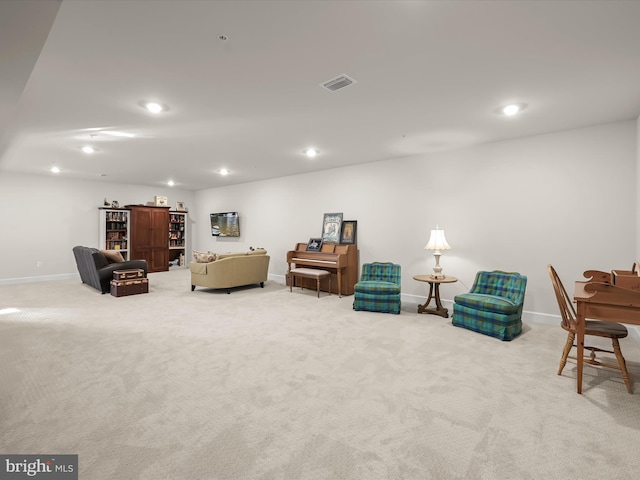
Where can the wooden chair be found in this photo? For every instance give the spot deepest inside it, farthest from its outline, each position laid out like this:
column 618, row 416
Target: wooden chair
column 612, row 330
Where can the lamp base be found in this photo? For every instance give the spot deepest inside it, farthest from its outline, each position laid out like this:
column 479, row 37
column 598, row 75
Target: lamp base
column 437, row 270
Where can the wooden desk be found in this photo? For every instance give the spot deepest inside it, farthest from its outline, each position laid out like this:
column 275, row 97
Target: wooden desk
column 434, row 292
column 602, row 301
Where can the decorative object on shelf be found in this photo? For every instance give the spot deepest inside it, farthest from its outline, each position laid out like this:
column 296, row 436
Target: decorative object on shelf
column 106, row 203
column 160, row 201
column 114, row 229
column 314, row 245
column 437, row 242
column 177, row 230
column 177, row 238
column 331, row 226
column 115, row 204
column 348, row 231
column 180, row 207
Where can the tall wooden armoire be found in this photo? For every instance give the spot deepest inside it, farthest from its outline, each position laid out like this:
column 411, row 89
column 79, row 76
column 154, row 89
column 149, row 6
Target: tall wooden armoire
column 150, row 236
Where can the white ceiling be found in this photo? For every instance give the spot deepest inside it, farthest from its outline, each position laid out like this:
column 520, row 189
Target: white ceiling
column 430, row 76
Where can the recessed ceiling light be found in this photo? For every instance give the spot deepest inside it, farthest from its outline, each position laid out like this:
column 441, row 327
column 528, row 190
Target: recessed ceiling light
column 88, row 149
column 513, row 109
column 224, row 171
column 171, row 183
column 118, row 134
column 311, row 152
column 55, row 169
column 154, row 107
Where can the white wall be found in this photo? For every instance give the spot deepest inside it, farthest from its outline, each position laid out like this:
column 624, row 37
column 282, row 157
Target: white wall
column 637, row 187
column 44, row 217
column 565, row 198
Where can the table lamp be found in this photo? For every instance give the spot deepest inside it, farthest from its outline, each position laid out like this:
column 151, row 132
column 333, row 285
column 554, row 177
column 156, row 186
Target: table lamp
column 437, row 242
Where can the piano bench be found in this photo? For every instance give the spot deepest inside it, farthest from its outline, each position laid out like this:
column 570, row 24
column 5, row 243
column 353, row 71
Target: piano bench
column 309, row 273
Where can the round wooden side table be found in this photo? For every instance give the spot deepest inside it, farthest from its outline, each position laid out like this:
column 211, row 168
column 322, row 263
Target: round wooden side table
column 434, row 292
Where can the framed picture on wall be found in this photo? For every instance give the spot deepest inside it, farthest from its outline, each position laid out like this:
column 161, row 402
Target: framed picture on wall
column 331, row 225
column 314, row 245
column 348, row 231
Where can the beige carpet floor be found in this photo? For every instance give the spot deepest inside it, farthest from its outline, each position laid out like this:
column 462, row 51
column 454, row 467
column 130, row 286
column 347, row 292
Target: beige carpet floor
column 268, row 384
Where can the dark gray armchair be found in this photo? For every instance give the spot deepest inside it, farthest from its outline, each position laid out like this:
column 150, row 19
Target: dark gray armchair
column 95, row 269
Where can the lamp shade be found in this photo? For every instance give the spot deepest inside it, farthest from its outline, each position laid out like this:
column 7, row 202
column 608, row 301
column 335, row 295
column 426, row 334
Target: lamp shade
column 437, row 241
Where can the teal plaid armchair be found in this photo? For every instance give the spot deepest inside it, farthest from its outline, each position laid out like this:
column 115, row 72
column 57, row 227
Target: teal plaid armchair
column 493, row 306
column 379, row 288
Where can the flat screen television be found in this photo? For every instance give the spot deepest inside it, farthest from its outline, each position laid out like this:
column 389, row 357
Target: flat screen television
column 225, row 224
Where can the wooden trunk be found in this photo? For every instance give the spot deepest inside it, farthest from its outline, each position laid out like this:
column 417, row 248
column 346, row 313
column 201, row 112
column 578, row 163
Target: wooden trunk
column 136, row 273
column 122, row 288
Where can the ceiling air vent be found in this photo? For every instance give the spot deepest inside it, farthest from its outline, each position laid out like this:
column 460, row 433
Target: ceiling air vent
column 338, row 83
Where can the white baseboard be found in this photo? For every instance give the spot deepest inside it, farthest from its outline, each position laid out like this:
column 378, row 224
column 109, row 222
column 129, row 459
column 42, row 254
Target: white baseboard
column 527, row 316
column 42, row 278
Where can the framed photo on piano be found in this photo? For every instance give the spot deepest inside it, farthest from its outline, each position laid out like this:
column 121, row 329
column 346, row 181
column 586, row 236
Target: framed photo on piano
column 314, row 245
column 331, row 225
column 348, row 232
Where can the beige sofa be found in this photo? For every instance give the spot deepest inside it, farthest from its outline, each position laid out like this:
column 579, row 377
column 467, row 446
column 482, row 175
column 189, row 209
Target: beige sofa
column 230, row 270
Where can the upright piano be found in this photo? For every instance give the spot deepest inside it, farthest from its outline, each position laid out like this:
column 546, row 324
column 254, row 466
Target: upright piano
column 339, row 260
